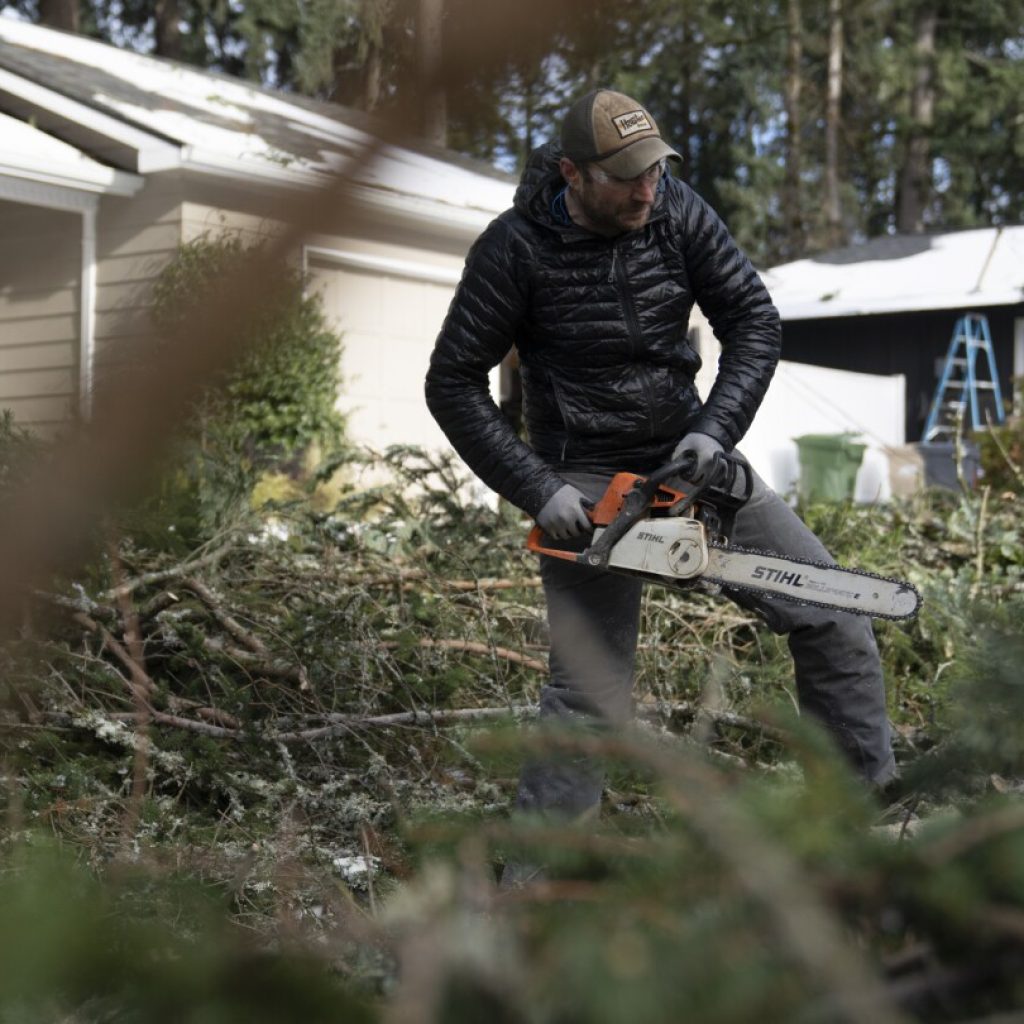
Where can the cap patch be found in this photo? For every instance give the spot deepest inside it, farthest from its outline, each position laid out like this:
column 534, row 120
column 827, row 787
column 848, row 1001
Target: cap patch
column 631, row 122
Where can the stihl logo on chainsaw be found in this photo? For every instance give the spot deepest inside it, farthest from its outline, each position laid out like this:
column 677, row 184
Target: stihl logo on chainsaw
column 644, row 535
column 791, row 579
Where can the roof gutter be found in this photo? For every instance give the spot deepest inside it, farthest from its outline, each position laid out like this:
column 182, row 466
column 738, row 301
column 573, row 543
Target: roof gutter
column 104, row 180
column 882, row 306
column 461, row 222
column 87, row 315
column 410, row 270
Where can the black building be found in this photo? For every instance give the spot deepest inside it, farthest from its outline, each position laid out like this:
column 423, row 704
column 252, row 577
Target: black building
column 891, row 305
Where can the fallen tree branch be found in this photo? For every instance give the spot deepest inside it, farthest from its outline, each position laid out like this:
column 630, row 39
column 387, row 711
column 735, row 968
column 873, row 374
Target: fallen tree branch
column 219, row 717
column 405, row 578
column 222, row 725
column 474, row 647
column 339, row 723
column 190, row 724
column 155, row 605
column 692, row 712
column 138, row 682
column 174, row 572
column 258, row 664
column 231, row 624
column 34, row 726
column 82, row 603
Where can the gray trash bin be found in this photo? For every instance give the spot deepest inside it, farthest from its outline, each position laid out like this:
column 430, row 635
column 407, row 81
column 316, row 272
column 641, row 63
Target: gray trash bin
column 940, row 463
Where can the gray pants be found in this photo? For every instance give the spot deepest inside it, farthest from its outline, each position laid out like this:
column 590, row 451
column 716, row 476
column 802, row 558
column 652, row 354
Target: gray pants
column 594, row 620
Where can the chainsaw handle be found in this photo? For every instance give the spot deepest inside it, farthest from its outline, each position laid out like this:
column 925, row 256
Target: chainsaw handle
column 535, row 543
column 683, row 467
column 722, row 473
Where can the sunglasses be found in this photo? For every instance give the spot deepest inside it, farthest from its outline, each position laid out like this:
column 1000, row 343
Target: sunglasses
column 651, row 176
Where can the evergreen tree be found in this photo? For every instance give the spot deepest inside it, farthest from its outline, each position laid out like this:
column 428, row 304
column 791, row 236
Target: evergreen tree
column 805, row 123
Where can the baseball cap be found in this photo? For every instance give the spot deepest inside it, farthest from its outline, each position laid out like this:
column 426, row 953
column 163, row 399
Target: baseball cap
column 615, row 132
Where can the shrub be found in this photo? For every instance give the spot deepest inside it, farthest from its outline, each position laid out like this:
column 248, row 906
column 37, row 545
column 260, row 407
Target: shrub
column 263, row 414
column 17, row 447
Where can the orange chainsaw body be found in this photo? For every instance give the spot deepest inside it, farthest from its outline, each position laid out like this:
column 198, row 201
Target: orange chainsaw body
column 607, row 508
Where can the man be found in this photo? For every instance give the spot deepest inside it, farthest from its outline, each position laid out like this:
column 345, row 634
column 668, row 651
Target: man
column 592, row 276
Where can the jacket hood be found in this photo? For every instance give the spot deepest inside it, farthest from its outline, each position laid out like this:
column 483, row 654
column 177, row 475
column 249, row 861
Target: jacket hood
column 540, row 183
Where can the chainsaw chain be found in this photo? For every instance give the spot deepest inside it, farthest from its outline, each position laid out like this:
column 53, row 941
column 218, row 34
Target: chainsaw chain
column 799, row 600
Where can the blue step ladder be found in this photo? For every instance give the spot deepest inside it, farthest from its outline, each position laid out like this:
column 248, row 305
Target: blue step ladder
column 963, row 383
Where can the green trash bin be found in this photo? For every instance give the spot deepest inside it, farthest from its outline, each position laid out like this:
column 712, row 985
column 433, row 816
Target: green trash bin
column 828, row 466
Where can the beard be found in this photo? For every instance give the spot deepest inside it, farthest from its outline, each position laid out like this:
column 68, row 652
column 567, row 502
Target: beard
column 610, row 214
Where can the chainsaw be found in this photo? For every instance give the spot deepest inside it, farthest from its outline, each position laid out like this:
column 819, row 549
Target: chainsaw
column 645, row 528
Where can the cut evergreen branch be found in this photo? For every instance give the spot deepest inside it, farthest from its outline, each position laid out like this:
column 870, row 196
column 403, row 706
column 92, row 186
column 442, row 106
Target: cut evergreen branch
column 295, row 716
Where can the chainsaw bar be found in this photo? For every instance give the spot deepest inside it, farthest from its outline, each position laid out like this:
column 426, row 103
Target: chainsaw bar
column 806, row 582
column 676, row 552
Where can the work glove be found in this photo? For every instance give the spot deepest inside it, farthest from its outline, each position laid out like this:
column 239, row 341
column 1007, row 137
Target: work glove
column 704, row 448
column 564, row 513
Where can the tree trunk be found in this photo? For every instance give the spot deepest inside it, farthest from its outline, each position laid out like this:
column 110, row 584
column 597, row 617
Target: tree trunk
column 792, row 199
column 529, row 113
column 690, row 56
column 833, row 208
column 373, row 76
column 915, row 176
column 435, row 112
column 167, row 30
column 59, row 14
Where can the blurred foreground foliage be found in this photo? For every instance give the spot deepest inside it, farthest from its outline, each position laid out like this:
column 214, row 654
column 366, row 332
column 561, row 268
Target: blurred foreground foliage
column 270, row 779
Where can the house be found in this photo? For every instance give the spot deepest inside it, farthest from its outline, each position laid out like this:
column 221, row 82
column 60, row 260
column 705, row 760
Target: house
column 889, row 306
column 112, row 159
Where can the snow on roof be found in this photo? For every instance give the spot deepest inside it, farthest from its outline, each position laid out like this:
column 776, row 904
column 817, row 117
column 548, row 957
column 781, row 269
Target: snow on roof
column 34, row 155
column 227, row 126
column 900, row 273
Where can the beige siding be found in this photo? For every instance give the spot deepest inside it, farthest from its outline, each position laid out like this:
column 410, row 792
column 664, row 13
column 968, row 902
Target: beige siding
column 388, row 323
column 39, row 313
column 136, row 237
column 40, row 300
column 199, row 219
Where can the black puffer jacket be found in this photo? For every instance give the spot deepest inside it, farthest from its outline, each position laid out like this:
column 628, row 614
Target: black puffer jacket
column 600, row 325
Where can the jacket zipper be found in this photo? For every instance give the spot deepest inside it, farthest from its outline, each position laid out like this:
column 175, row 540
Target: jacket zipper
column 633, row 327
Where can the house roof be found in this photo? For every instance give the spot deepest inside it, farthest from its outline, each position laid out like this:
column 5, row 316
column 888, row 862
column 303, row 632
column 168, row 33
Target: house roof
column 903, row 273
column 140, row 114
column 31, row 154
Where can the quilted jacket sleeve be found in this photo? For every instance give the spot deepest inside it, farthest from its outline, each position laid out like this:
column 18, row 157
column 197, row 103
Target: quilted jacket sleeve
column 488, row 307
column 740, row 311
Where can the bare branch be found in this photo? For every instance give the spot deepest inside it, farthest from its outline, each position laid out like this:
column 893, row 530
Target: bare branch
column 231, row 624
column 474, row 647
column 174, row 572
